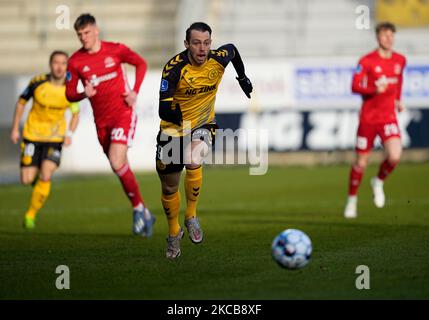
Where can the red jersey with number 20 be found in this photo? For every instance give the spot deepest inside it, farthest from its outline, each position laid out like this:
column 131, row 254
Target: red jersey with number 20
column 103, row 70
column 372, row 68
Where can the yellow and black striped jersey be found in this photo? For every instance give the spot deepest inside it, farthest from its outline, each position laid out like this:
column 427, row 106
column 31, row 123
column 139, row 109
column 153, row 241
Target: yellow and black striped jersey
column 193, row 87
column 46, row 120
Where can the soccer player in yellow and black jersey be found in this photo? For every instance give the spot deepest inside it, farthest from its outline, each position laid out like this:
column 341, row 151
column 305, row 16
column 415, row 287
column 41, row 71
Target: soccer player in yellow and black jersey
column 187, row 97
column 45, row 131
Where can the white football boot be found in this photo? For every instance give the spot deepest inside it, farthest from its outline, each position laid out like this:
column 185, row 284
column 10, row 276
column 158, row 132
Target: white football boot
column 378, row 192
column 194, row 230
column 350, row 211
column 173, row 245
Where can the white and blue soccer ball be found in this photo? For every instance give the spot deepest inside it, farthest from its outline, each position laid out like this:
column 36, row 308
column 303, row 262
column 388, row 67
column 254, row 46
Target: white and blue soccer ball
column 292, row 249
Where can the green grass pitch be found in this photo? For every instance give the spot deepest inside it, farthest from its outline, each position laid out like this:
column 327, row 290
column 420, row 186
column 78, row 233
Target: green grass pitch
column 86, row 225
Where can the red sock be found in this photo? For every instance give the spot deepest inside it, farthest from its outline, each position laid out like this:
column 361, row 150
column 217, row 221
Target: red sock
column 129, row 183
column 385, row 169
column 356, row 174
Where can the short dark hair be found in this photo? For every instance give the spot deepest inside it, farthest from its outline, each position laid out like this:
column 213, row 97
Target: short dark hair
column 57, row 52
column 199, row 26
column 83, row 20
column 385, row 26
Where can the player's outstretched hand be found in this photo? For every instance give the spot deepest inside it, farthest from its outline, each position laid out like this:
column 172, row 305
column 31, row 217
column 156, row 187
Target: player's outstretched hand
column 67, row 141
column 130, row 98
column 246, row 85
column 89, row 89
column 14, row 136
column 400, row 106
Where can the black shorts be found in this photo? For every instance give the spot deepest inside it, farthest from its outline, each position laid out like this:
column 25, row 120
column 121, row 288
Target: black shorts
column 33, row 153
column 169, row 150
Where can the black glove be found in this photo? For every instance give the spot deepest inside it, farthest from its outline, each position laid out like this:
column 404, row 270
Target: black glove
column 246, row 85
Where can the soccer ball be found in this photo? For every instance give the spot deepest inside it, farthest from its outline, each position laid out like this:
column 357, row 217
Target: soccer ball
column 291, row 249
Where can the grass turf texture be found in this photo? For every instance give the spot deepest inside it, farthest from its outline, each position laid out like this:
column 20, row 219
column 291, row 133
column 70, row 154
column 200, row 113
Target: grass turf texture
column 86, row 225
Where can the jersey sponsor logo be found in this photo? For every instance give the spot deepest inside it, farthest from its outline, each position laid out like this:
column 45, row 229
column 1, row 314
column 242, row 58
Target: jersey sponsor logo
column 386, row 80
column 191, row 92
column 397, row 68
column 164, row 85
column 378, row 69
column 68, row 76
column 85, row 69
column 109, row 62
column 95, row 81
column 52, row 107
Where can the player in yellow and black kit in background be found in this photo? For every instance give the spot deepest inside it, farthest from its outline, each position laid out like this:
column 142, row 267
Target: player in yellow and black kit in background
column 187, row 97
column 45, row 131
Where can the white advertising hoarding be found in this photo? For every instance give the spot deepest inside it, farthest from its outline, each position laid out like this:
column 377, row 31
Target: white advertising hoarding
column 280, row 85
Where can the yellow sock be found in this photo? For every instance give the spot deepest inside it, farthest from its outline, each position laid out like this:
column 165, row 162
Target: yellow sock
column 171, row 204
column 40, row 194
column 193, row 183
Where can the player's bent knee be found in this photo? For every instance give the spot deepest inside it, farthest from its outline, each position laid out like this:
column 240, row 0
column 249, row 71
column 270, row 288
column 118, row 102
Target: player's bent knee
column 117, row 160
column 45, row 177
column 362, row 164
column 394, row 159
column 27, row 178
column 116, row 164
column 169, row 189
column 26, row 181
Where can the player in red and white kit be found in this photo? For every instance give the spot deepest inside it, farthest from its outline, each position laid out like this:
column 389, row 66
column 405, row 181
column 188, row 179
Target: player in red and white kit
column 98, row 64
column 378, row 79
